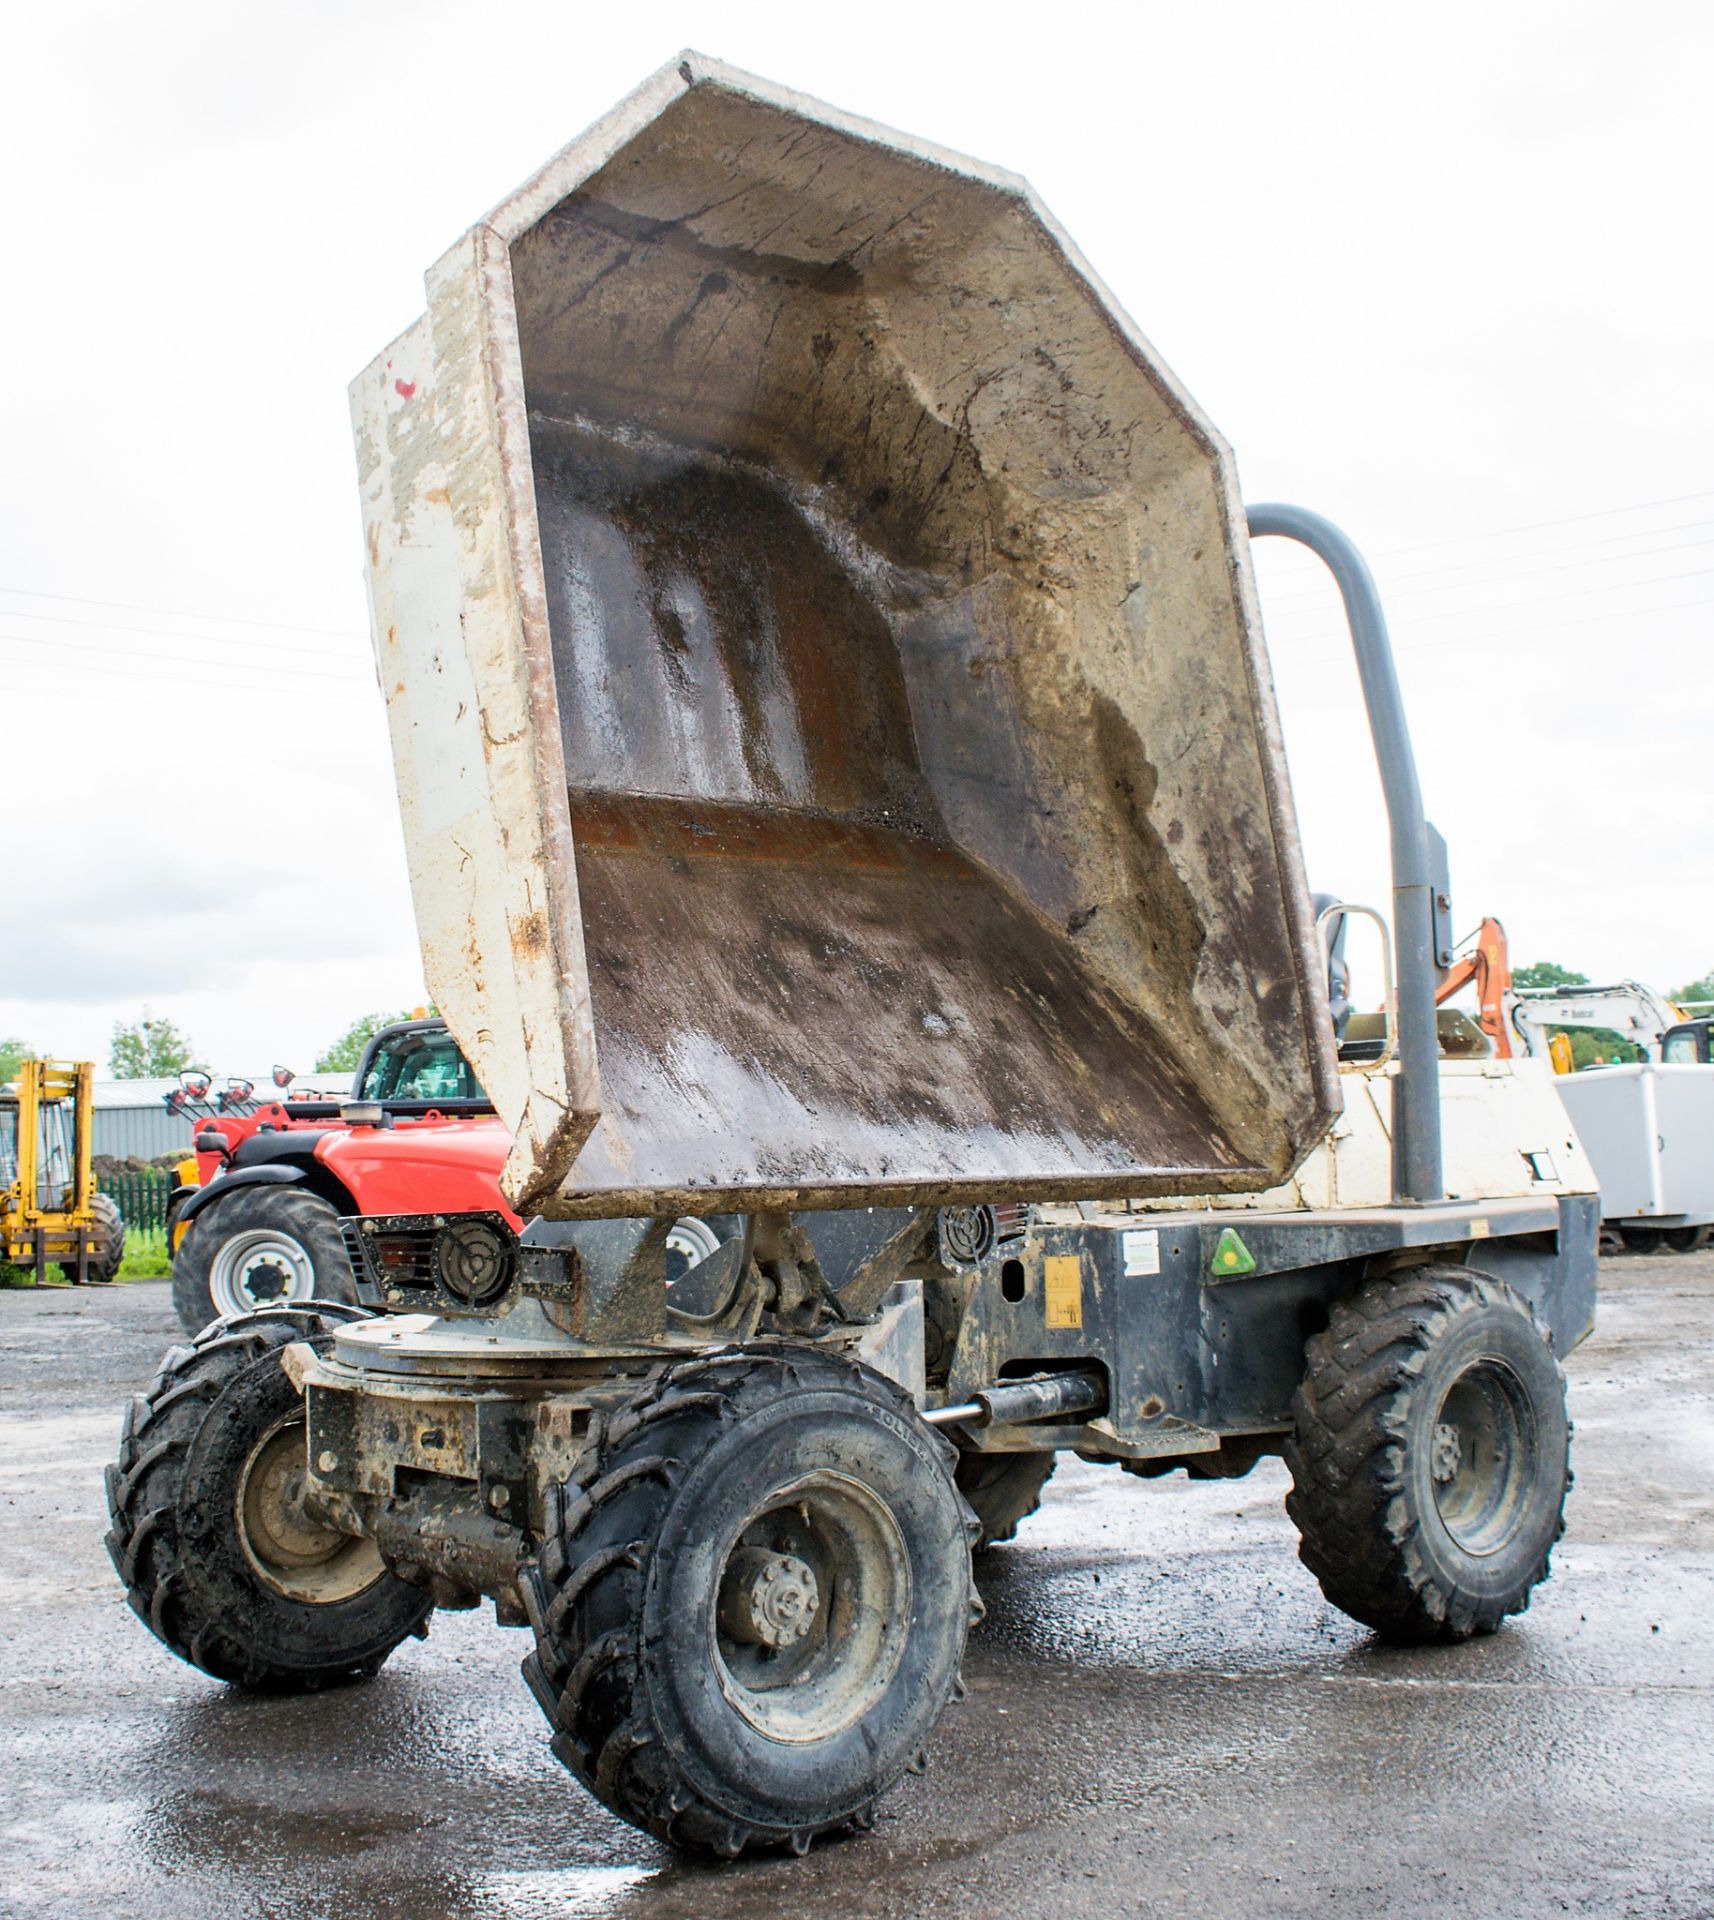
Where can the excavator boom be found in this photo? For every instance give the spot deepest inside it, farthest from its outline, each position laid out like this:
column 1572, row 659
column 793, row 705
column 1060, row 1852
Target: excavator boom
column 1628, row 1008
column 1485, row 962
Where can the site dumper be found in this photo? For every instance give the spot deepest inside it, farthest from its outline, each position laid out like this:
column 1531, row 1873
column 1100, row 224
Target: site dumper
column 843, row 791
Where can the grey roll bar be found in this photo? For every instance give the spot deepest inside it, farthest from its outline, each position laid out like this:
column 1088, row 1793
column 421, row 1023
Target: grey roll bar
column 1417, row 1173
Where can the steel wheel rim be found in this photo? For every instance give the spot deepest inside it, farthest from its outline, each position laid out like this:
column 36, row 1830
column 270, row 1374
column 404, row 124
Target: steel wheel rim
column 291, row 1554
column 689, row 1243
column 847, row 1563
column 259, row 1268
column 1482, row 1448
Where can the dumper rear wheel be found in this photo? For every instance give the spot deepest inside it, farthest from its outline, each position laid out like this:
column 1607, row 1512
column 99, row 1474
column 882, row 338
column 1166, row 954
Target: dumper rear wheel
column 1003, row 1489
column 750, row 1613
column 217, row 1555
column 1430, row 1457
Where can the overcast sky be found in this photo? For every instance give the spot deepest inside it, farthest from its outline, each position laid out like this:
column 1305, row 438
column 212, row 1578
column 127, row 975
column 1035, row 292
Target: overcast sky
column 1441, row 273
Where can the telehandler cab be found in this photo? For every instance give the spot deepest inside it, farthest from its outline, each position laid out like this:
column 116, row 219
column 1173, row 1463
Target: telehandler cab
column 843, row 789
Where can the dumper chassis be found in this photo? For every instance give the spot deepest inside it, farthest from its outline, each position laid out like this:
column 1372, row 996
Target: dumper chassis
column 737, row 1519
column 746, row 1568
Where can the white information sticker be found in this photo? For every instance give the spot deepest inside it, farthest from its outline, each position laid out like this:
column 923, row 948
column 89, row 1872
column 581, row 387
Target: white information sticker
column 1142, row 1250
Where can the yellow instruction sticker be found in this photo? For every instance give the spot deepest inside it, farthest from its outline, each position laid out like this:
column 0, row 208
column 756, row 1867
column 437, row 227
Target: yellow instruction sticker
column 1062, row 1284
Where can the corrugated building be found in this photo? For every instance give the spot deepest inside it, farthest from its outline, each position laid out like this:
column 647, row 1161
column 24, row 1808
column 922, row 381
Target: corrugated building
column 132, row 1118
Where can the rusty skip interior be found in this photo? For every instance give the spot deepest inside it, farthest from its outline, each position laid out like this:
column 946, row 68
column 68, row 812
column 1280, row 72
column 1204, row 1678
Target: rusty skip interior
column 932, row 835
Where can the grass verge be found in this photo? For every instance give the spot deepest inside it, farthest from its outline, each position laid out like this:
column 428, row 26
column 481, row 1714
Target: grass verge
column 146, row 1258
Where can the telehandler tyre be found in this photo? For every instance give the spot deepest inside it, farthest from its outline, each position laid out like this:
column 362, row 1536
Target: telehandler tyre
column 108, row 1253
column 1003, row 1489
column 750, row 1611
column 1430, row 1457
column 259, row 1247
column 216, row 1557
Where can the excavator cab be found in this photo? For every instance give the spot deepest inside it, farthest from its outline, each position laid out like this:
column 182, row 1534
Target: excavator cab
column 1689, row 1044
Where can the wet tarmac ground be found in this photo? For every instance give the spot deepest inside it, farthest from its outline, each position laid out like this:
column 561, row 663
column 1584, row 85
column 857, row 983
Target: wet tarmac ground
column 1164, row 1716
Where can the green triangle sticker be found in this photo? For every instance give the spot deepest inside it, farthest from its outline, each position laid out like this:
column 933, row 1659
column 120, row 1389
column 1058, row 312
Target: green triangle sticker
column 1231, row 1256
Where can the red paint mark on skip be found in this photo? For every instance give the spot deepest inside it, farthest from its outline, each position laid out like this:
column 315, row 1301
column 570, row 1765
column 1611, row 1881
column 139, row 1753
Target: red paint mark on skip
column 404, row 388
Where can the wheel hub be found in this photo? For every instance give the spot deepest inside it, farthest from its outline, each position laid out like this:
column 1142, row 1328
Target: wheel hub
column 812, row 1610
column 1446, row 1454
column 295, row 1555
column 265, row 1280
column 261, row 1267
column 768, row 1599
column 277, row 1518
column 1481, row 1456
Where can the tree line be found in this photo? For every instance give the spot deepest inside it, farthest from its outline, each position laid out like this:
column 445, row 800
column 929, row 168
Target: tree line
column 151, row 1047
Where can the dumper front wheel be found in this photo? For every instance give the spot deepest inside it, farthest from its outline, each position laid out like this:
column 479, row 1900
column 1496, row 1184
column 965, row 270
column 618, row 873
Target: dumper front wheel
column 1430, row 1457
column 217, row 1554
column 750, row 1614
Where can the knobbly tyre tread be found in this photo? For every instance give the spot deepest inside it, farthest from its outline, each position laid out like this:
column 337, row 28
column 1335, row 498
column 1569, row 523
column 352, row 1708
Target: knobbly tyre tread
column 1349, row 1498
column 588, row 1683
column 1003, row 1490
column 108, row 1254
column 160, row 1426
column 308, row 1218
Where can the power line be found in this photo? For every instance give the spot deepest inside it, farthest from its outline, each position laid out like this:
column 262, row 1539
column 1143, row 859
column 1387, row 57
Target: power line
column 131, row 606
column 1389, row 553
column 82, row 686
column 1298, row 646
column 57, row 645
column 90, row 687
column 1537, row 526
column 1394, row 589
column 1568, row 546
column 168, row 633
column 1546, row 599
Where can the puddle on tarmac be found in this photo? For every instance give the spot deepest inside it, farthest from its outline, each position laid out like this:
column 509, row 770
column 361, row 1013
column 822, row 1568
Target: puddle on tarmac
column 568, row 1893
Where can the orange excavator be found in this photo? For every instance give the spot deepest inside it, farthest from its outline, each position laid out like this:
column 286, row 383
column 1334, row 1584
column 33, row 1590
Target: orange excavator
column 1483, row 959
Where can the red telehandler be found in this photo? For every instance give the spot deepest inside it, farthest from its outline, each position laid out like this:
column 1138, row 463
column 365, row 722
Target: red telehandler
column 269, row 1217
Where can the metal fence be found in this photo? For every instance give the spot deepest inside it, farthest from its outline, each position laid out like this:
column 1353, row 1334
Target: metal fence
column 141, row 1197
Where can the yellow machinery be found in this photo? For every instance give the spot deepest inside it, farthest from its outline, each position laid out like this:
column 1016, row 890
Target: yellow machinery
column 186, row 1176
column 50, row 1212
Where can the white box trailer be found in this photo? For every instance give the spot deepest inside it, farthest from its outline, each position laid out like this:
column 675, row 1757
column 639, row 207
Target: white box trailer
column 1649, row 1129
column 1648, row 1126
